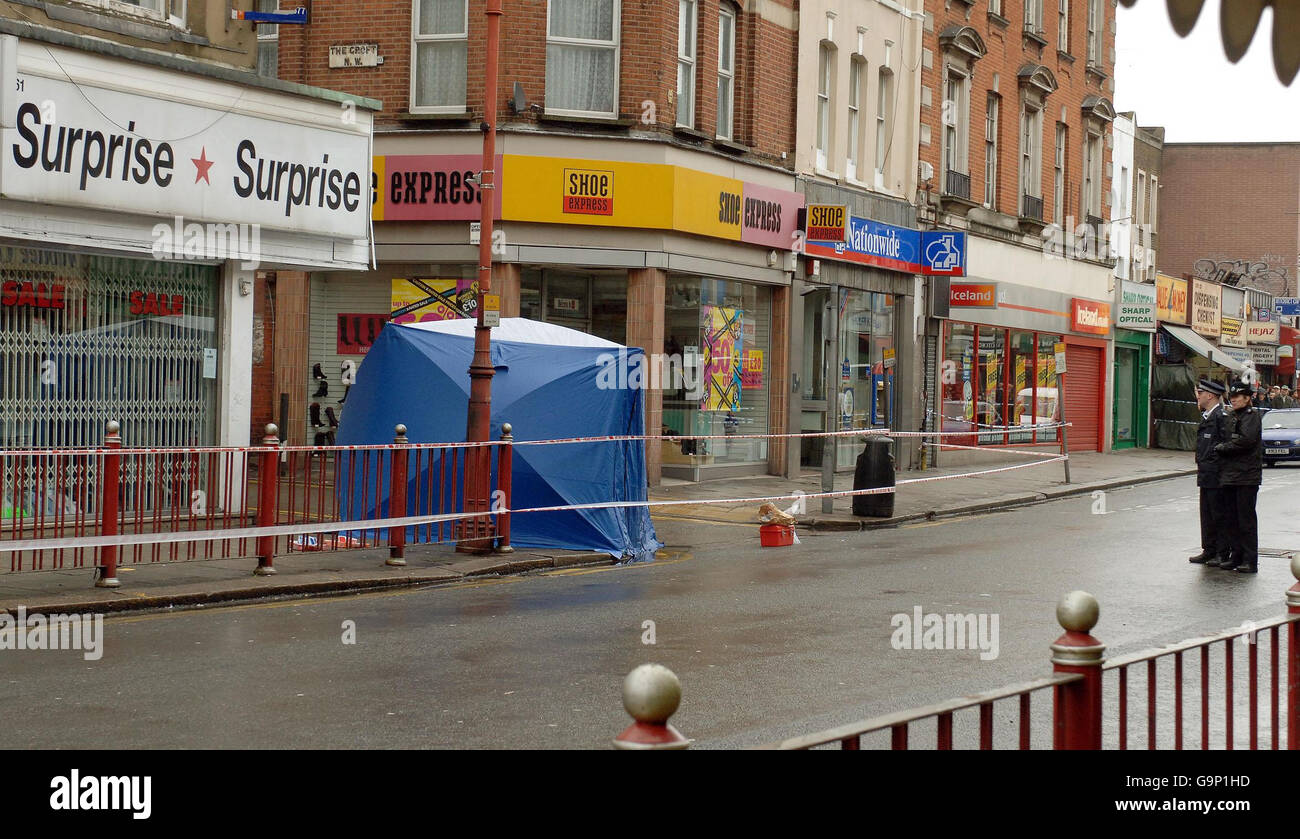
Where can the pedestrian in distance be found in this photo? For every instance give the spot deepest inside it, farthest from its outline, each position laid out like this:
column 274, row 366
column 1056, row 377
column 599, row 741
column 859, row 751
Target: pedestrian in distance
column 1216, row 543
column 1241, row 468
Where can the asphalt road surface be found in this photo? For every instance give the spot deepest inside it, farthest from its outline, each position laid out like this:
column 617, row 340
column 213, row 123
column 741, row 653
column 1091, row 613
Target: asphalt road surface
column 768, row 643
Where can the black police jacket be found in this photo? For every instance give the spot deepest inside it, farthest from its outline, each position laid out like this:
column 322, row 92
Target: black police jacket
column 1241, row 455
column 1208, row 435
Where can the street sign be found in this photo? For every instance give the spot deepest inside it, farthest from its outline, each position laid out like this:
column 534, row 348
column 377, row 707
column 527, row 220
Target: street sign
column 1060, row 357
column 1286, row 305
column 491, row 310
column 890, row 359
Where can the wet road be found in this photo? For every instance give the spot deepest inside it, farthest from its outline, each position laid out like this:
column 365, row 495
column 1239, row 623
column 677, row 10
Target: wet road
column 768, row 643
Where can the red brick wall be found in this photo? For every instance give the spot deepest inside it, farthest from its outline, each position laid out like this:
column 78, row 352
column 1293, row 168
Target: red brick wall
column 1232, row 202
column 765, row 62
column 1007, row 53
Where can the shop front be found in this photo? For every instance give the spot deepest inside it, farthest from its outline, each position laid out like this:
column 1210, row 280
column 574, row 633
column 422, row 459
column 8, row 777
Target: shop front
column 1188, row 348
column 998, row 367
column 858, row 297
column 131, row 228
column 1135, row 323
column 691, row 264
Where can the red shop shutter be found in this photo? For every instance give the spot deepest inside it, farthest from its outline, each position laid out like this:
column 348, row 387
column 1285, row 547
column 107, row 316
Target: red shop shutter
column 1083, row 397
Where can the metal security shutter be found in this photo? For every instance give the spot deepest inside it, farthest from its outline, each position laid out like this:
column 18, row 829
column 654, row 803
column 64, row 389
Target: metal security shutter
column 1083, row 397
column 931, row 381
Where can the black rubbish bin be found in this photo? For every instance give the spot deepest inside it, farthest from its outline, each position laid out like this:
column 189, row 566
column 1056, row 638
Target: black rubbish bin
column 875, row 469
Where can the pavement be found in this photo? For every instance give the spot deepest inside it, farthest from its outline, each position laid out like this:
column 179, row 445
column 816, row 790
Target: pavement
column 944, row 491
column 161, row 585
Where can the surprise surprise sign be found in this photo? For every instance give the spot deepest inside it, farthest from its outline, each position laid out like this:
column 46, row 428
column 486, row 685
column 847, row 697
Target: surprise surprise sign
column 94, row 145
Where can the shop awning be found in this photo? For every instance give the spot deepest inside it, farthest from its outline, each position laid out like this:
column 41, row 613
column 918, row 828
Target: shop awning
column 1202, row 347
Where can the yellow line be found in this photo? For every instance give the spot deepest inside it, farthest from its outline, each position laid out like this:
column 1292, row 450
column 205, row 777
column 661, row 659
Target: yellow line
column 931, row 523
column 577, row 572
column 753, row 525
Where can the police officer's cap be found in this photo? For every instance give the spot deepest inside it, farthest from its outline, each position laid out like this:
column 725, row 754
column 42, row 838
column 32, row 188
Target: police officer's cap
column 1238, row 388
column 1210, row 387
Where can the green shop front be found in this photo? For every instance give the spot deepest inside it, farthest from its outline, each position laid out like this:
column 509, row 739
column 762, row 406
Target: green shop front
column 1135, row 323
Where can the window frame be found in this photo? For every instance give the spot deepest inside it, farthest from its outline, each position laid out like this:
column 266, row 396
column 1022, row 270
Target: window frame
column 1092, row 175
column 992, row 128
column 616, row 45
column 269, row 33
column 885, row 82
column 1063, row 26
column 1096, row 23
column 727, row 77
column 1034, row 16
column 416, row 40
column 825, row 103
column 1061, row 159
column 960, row 149
column 854, row 143
column 1031, row 151
column 690, row 63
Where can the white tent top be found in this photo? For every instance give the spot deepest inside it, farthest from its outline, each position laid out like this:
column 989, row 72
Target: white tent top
column 519, row 330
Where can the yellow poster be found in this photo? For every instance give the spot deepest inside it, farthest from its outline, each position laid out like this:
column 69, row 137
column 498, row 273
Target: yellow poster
column 724, row 332
column 417, row 300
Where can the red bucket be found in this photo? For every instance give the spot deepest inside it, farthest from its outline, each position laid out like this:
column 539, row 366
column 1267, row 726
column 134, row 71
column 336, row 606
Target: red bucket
column 776, row 535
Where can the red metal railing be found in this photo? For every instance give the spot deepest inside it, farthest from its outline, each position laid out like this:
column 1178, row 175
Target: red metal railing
column 55, row 501
column 1080, row 719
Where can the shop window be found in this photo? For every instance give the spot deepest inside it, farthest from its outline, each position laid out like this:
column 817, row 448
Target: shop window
column 582, row 45
column 999, row 385
column 866, row 362
column 88, row 339
column 720, row 329
column 1048, row 398
column 440, row 37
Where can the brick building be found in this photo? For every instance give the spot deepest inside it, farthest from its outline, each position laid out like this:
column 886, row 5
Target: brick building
column 679, row 116
column 1230, row 212
column 1015, row 149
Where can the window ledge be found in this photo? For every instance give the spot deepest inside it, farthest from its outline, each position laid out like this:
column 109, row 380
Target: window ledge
column 731, row 146
column 1038, row 37
column 1094, row 70
column 998, row 20
column 1064, row 56
column 560, row 119
column 825, row 173
column 459, row 116
column 692, row 134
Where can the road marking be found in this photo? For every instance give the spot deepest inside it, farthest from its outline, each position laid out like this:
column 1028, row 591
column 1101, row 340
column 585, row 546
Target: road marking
column 930, row 523
column 709, row 521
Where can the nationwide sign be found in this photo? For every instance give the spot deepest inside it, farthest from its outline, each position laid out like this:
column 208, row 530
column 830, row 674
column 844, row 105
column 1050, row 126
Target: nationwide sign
column 1089, row 316
column 91, row 145
column 930, row 252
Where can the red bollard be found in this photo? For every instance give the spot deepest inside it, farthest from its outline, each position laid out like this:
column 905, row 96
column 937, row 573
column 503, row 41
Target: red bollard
column 505, row 466
column 397, row 498
column 108, row 507
column 651, row 694
column 1293, row 660
column 268, row 499
column 1076, row 707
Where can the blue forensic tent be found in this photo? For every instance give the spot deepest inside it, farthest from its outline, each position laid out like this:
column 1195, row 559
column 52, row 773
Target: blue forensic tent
column 550, row 382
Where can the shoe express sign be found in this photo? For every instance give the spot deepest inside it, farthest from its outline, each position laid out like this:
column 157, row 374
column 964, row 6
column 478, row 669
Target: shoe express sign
column 220, row 158
column 867, row 242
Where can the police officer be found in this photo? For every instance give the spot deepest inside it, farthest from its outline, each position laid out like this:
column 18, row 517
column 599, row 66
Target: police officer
column 1215, row 540
column 1241, row 466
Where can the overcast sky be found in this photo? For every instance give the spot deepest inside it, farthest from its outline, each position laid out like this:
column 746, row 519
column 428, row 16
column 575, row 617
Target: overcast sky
column 1189, row 86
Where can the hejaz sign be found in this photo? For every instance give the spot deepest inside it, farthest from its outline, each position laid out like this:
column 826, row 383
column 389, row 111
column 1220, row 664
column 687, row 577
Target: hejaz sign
column 1090, row 316
column 1261, row 333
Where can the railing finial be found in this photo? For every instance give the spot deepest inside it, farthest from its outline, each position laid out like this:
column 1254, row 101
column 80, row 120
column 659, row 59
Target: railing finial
column 651, row 694
column 1078, row 611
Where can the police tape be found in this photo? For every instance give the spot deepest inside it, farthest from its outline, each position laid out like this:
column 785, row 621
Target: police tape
column 363, row 525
